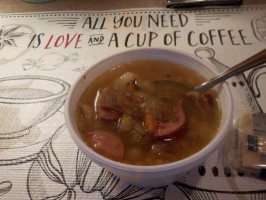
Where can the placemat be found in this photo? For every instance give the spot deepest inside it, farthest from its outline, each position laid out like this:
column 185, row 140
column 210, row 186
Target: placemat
column 42, row 54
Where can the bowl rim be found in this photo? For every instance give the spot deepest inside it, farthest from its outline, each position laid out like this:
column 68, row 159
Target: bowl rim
column 106, row 162
column 65, row 89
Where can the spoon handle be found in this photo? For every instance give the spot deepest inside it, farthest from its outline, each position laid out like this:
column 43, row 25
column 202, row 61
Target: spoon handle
column 252, row 62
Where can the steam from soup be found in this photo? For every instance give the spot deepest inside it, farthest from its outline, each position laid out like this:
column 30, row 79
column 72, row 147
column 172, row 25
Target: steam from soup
column 136, row 114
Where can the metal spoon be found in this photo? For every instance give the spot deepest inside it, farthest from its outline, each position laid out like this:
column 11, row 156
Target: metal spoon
column 252, row 62
column 179, row 90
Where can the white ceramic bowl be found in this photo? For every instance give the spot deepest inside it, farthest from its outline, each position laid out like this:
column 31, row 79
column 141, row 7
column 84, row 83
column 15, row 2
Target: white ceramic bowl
column 158, row 175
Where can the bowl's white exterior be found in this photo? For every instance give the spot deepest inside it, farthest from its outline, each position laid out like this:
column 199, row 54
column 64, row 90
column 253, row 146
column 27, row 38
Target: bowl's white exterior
column 149, row 176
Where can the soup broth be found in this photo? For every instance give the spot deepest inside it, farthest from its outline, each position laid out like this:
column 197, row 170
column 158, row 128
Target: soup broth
column 136, row 113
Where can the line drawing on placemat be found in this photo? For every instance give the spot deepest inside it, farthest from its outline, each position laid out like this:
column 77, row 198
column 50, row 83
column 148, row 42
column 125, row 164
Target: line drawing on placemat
column 68, row 22
column 253, row 80
column 195, row 193
column 8, row 36
column 44, row 62
column 259, row 27
column 67, row 169
column 28, row 103
column 239, row 82
column 13, row 36
column 5, row 187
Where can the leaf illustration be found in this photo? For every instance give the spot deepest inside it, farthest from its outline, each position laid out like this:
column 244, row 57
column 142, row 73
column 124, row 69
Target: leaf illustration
column 9, row 42
column 7, row 36
column 2, row 31
column 8, row 31
column 18, row 34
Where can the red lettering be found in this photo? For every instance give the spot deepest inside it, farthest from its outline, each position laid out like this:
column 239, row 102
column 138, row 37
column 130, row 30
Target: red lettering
column 69, row 41
column 48, row 43
column 57, row 42
column 64, row 40
column 78, row 40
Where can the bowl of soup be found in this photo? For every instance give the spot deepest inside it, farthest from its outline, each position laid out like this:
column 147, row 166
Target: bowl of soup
column 135, row 113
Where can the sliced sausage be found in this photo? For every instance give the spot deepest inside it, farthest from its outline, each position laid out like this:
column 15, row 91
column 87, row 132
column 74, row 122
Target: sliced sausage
column 207, row 101
column 170, row 128
column 106, row 143
column 107, row 114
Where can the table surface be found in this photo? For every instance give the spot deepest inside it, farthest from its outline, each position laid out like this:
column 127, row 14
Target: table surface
column 42, row 51
column 7, row 6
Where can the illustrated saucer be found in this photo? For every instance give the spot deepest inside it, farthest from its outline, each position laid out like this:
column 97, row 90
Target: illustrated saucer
column 22, row 149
